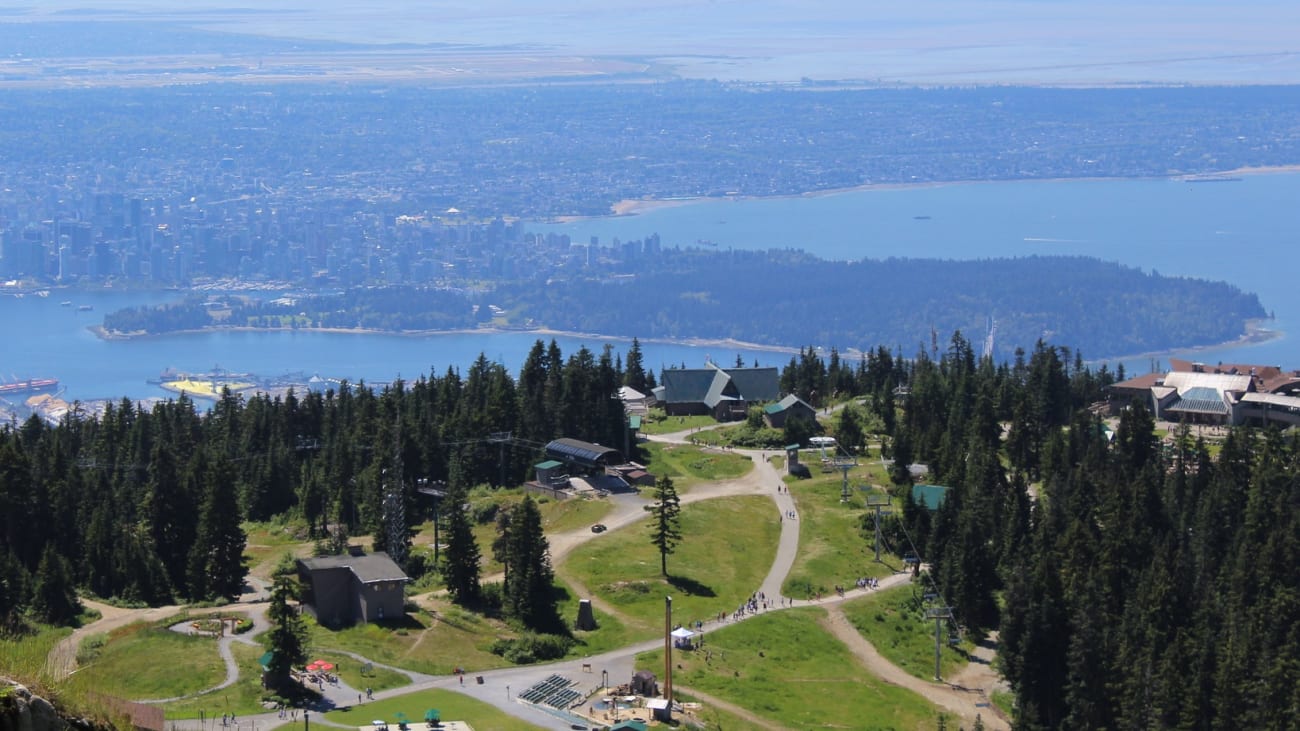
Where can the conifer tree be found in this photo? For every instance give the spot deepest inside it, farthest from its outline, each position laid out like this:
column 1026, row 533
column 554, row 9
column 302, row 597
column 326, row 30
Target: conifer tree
column 665, row 521
column 634, row 375
column 460, row 562
column 216, row 562
column 529, row 597
column 287, row 638
column 54, row 597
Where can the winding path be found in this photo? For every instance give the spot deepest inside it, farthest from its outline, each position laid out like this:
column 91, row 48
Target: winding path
column 498, row 687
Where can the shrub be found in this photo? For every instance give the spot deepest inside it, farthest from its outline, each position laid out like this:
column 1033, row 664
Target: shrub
column 90, row 648
column 485, row 512
column 532, row 647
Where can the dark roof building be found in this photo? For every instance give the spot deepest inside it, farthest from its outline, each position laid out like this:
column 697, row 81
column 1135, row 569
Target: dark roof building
column 724, row 393
column 586, row 455
column 344, row 590
column 789, row 407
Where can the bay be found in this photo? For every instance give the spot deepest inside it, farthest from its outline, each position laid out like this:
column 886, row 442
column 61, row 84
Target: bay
column 1240, row 230
column 44, row 338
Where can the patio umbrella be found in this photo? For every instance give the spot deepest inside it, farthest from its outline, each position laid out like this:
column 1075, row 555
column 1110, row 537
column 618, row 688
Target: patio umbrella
column 325, row 665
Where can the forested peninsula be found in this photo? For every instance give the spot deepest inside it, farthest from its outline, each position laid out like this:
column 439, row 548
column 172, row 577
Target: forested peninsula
column 774, row 298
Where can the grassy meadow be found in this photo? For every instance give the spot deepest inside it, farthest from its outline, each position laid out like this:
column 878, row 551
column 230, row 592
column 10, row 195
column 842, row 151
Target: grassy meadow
column 451, row 705
column 784, row 666
column 727, row 548
column 832, row 548
column 434, row 643
column 894, row 621
column 689, row 465
column 140, row 661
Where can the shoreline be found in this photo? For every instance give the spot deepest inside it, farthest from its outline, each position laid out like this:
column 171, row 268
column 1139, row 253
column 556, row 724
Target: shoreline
column 541, row 332
column 1254, row 334
column 637, row 206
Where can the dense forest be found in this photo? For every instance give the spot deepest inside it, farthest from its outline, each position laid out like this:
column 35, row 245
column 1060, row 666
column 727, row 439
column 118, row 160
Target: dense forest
column 789, row 298
column 1135, row 582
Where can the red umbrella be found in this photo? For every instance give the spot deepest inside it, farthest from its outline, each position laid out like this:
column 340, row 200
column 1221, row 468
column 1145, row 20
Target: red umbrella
column 325, row 665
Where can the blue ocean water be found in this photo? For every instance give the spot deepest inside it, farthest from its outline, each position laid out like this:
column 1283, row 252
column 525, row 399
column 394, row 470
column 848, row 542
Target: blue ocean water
column 1242, row 231
column 43, row 338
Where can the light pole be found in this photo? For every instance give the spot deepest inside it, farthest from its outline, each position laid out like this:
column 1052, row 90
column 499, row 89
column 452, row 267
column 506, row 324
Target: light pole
column 305, row 725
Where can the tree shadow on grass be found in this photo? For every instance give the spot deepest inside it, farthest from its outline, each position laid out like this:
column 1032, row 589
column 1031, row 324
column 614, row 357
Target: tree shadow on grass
column 405, row 622
column 690, row 586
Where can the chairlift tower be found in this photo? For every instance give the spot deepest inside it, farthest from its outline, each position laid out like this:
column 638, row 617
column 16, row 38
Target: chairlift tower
column 939, row 615
column 501, row 439
column 878, row 503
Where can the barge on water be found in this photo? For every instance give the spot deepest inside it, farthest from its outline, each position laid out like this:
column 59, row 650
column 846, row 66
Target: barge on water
column 30, row 385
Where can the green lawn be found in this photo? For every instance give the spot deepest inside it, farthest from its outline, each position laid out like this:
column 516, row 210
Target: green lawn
column 689, row 465
column 140, row 661
column 657, row 423
column 244, row 698
column 434, row 644
column 562, row 516
column 786, row 667
column 451, row 705
column 894, row 621
column 708, row 716
column 269, row 541
column 727, row 548
column 832, row 549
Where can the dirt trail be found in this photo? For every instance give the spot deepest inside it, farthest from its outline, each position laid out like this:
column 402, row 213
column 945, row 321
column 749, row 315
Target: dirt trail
column 62, row 660
column 732, row 708
column 964, row 703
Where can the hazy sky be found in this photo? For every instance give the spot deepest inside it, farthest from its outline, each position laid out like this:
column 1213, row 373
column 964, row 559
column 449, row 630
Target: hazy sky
column 957, row 41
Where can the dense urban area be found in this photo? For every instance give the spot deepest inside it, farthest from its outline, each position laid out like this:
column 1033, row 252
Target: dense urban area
column 366, row 184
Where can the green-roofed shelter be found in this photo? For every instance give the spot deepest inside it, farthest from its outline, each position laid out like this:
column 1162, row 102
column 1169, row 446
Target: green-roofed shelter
column 931, row 496
column 776, row 414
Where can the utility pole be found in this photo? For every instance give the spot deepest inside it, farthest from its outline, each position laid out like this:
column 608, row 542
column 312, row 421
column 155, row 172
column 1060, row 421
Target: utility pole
column 939, row 615
column 668, row 650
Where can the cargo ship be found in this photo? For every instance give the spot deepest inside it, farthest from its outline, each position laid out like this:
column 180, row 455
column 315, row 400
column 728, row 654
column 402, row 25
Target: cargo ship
column 31, row 385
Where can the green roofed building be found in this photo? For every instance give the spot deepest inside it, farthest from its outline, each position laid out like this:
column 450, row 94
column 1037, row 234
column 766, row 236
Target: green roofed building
column 790, row 407
column 931, row 496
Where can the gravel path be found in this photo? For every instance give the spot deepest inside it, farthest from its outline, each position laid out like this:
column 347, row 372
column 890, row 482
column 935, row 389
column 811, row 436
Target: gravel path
column 962, row 703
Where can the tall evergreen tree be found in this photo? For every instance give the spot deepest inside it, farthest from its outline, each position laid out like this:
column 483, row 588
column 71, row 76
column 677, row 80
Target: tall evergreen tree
column 634, row 374
column 460, row 562
column 287, row 638
column 54, row 597
column 529, row 597
column 216, row 562
column 665, row 521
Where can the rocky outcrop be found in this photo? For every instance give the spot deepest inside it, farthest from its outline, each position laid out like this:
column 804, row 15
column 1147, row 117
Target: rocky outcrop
column 22, row 710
